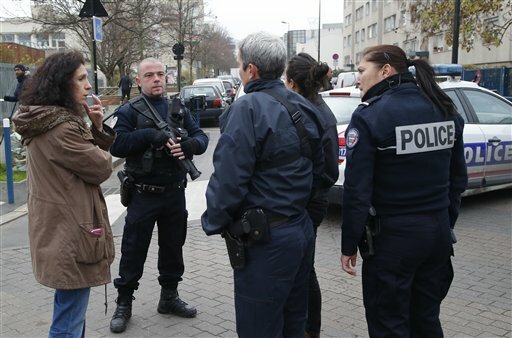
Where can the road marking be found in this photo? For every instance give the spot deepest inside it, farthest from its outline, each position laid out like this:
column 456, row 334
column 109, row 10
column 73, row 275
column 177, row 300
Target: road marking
column 194, row 193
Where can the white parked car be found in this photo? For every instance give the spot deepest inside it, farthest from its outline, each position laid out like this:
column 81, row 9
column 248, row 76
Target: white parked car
column 347, row 79
column 487, row 133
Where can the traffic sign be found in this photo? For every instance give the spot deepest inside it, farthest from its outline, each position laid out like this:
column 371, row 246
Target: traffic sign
column 97, row 23
column 178, row 49
column 335, row 56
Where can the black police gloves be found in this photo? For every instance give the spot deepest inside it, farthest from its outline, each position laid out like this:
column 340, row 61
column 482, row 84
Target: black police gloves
column 189, row 146
column 158, row 138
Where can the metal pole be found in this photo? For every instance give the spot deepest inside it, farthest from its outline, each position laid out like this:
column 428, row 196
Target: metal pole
column 179, row 75
column 8, row 160
column 456, row 24
column 319, row 27
column 95, row 71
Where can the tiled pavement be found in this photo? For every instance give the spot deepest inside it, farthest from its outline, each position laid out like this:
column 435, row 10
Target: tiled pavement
column 478, row 304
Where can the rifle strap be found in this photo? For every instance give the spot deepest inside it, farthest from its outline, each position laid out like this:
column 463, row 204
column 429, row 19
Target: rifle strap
column 305, row 146
column 155, row 116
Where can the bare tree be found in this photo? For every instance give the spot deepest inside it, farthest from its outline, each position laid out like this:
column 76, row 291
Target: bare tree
column 488, row 20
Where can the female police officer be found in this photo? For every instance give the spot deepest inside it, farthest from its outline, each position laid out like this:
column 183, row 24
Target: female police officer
column 405, row 160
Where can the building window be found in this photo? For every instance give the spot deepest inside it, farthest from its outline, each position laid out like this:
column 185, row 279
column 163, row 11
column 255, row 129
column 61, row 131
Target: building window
column 349, row 40
column 348, row 20
column 346, row 60
column 363, row 32
column 372, row 31
column 374, row 6
column 359, row 13
column 24, row 39
column 344, row 42
column 367, row 9
column 410, row 46
column 7, row 37
column 389, row 23
column 357, row 37
column 438, row 43
column 42, row 41
column 403, row 18
column 490, row 25
column 358, row 57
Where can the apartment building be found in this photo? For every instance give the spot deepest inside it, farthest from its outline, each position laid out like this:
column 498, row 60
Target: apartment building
column 372, row 22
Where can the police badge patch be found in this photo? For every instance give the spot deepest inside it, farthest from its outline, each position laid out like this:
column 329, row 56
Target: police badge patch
column 352, row 136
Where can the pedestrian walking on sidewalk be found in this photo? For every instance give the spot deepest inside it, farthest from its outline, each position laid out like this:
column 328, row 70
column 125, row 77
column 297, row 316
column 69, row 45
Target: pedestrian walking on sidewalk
column 306, row 76
column 71, row 241
column 267, row 159
column 157, row 190
column 405, row 173
column 21, row 77
column 125, row 84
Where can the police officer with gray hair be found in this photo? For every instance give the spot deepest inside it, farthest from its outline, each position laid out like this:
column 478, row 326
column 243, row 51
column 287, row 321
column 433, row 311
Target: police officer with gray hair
column 267, row 159
column 403, row 182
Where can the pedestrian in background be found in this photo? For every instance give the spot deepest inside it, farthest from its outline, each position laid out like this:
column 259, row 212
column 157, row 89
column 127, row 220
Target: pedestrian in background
column 306, row 76
column 264, row 168
column 405, row 160
column 71, row 241
column 21, row 77
column 125, row 84
column 158, row 191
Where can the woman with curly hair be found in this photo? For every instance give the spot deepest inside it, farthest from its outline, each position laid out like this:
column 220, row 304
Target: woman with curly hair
column 71, row 241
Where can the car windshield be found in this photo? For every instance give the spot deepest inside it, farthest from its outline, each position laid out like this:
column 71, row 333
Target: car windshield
column 188, row 92
column 342, row 107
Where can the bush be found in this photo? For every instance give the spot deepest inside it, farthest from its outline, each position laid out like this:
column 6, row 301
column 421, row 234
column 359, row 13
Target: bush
column 17, row 175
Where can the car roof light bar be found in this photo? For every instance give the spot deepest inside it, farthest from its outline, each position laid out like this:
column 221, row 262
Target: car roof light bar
column 443, row 69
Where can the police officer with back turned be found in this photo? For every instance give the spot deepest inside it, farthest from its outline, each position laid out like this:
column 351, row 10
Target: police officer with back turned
column 403, row 182
column 157, row 138
column 266, row 161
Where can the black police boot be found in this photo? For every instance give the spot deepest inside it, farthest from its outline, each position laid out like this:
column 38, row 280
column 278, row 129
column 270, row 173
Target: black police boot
column 170, row 303
column 122, row 313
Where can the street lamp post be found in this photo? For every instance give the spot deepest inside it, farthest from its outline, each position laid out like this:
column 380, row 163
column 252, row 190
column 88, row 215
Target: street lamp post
column 319, row 26
column 287, row 40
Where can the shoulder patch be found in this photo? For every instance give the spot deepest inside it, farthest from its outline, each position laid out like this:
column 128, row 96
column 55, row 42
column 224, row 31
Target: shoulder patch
column 352, row 136
column 113, row 122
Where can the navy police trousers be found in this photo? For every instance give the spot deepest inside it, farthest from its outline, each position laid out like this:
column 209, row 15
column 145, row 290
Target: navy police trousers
column 409, row 275
column 168, row 210
column 271, row 292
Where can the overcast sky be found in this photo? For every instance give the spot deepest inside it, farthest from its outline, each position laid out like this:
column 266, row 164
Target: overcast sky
column 242, row 17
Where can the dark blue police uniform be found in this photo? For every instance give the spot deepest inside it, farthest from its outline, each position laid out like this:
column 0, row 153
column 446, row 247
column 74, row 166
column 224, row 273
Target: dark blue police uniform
column 406, row 158
column 256, row 131
column 166, row 206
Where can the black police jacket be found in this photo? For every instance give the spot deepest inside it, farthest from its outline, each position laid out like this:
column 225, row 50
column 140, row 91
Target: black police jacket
column 258, row 129
column 403, row 157
column 134, row 136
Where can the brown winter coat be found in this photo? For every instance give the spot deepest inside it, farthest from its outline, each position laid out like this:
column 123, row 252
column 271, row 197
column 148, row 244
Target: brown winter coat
column 66, row 163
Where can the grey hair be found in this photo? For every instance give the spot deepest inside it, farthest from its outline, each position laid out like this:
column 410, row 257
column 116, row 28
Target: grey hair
column 265, row 51
column 148, row 60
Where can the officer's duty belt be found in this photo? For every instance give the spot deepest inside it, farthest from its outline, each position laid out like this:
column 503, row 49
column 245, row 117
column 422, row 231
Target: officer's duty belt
column 158, row 189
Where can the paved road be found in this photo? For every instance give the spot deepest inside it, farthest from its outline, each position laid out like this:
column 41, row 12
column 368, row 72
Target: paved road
column 478, row 305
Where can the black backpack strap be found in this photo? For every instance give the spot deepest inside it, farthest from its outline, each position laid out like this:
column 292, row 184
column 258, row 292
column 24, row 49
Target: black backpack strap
column 305, row 146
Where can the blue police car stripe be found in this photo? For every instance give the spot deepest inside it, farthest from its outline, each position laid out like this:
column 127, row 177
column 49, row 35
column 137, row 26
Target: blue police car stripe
column 478, row 154
column 420, row 138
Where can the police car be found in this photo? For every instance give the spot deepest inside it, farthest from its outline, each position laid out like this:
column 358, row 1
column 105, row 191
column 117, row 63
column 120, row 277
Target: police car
column 487, row 131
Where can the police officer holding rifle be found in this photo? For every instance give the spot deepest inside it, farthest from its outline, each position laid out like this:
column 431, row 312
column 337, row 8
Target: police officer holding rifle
column 158, row 138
